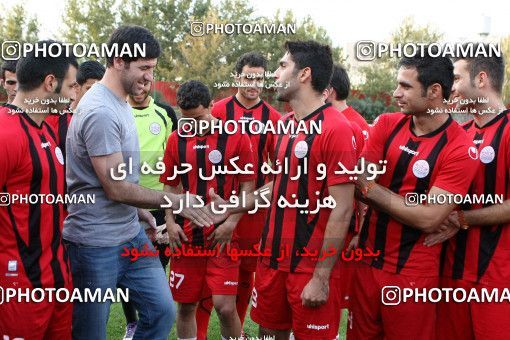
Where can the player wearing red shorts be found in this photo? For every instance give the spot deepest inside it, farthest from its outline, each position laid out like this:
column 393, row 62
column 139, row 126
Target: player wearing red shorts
column 293, row 288
column 426, row 154
column 31, row 163
column 477, row 257
column 337, row 94
column 190, row 276
column 246, row 106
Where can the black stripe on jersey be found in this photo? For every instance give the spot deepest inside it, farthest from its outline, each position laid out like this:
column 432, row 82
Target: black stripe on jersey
column 262, row 147
column 303, row 230
column 280, row 212
column 230, row 110
column 62, row 133
column 31, row 254
column 181, row 149
column 410, row 235
column 55, row 242
column 162, row 118
column 381, row 225
column 222, row 146
column 363, row 235
column 393, row 134
column 468, row 125
column 265, row 231
column 198, row 236
column 489, row 236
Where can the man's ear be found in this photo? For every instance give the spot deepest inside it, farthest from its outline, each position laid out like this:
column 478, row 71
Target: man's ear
column 50, row 83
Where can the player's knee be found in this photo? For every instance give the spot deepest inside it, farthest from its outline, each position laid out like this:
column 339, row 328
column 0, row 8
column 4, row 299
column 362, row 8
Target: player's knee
column 187, row 310
column 225, row 309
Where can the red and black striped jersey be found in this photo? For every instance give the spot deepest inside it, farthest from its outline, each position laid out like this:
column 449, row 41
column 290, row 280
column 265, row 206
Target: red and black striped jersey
column 250, row 226
column 482, row 253
column 415, row 164
column 355, row 117
column 59, row 125
column 31, row 163
column 291, row 230
column 202, row 153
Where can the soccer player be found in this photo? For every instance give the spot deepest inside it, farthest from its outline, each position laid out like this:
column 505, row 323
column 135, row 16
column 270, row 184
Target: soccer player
column 154, row 123
column 425, row 153
column 31, row 163
column 205, row 151
column 8, row 80
column 294, row 289
column 246, row 105
column 89, row 73
column 103, row 160
column 477, row 257
column 337, row 94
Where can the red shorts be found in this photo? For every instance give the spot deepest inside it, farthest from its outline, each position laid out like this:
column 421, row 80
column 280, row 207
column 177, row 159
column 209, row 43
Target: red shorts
column 371, row 319
column 346, row 274
column 191, row 276
column 276, row 304
column 472, row 320
column 35, row 320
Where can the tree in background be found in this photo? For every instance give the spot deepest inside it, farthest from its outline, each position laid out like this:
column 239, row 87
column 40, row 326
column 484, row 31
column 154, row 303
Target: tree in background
column 379, row 76
column 505, row 48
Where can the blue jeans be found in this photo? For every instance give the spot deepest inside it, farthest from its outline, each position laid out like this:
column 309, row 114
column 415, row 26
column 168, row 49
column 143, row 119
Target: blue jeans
column 104, row 267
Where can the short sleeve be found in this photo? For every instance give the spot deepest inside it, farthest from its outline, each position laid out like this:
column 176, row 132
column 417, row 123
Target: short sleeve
column 337, row 146
column 374, row 146
column 101, row 132
column 10, row 156
column 457, row 169
column 170, row 160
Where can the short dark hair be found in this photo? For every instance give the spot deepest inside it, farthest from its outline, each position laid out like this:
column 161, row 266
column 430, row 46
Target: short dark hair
column 130, row 35
column 252, row 59
column 316, row 56
column 431, row 70
column 31, row 70
column 494, row 66
column 9, row 65
column 340, row 82
column 192, row 94
column 89, row 69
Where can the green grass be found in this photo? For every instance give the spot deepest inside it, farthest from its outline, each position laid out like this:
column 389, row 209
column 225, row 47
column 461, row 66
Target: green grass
column 117, row 324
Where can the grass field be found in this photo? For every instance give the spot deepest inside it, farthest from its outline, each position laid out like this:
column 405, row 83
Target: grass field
column 117, row 324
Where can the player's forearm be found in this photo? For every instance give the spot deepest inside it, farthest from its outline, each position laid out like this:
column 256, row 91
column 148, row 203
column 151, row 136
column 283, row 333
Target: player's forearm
column 421, row 217
column 489, row 216
column 334, row 237
column 169, row 215
column 138, row 196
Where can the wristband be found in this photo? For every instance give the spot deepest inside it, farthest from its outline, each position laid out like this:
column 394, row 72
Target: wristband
column 462, row 220
column 367, row 188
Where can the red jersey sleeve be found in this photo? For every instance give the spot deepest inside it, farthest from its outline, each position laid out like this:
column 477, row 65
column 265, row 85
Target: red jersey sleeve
column 457, row 169
column 337, row 146
column 374, row 146
column 170, row 160
column 218, row 110
column 10, row 155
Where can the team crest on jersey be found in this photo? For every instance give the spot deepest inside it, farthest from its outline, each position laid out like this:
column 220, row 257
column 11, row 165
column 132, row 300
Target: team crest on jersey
column 155, row 128
column 215, row 156
column 60, row 156
column 473, row 153
column 301, row 149
column 421, row 168
column 487, row 154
